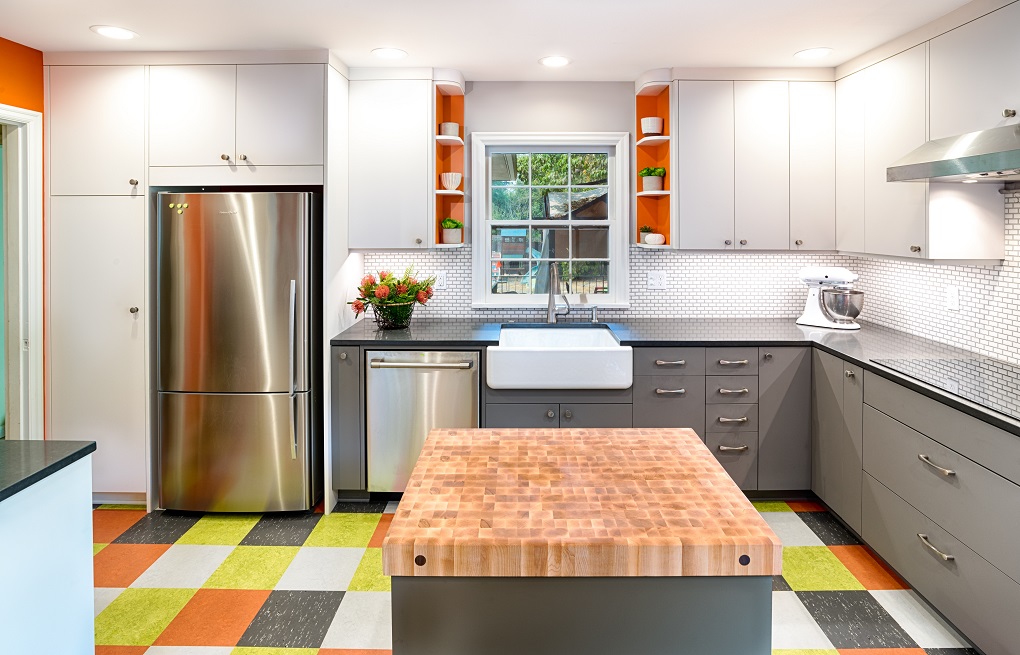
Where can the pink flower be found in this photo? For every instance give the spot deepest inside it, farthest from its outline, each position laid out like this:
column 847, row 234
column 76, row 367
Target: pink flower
column 412, row 281
column 382, row 291
column 383, row 275
column 428, row 292
column 422, row 297
column 401, row 289
column 367, row 280
column 358, row 307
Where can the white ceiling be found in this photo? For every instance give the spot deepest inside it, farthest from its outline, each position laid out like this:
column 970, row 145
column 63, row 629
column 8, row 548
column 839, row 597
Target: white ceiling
column 488, row 39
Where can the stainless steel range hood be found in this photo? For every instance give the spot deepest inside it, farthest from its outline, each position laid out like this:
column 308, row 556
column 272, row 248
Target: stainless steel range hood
column 987, row 156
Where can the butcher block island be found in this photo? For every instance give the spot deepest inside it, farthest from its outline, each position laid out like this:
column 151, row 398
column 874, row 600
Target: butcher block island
column 577, row 541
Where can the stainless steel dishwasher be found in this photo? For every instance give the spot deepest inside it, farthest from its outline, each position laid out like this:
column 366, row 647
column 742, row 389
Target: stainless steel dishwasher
column 407, row 394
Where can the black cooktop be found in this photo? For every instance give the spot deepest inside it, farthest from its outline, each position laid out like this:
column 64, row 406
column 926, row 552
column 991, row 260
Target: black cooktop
column 986, row 382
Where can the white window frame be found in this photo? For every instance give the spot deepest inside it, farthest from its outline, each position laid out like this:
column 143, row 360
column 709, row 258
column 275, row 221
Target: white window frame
column 619, row 214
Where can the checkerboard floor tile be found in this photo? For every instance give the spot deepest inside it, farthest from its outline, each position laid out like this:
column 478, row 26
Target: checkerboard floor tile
column 306, row 584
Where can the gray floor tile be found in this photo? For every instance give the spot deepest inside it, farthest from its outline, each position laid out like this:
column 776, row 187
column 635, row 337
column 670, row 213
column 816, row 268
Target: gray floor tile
column 158, row 528
column 293, row 619
column 281, row 530
column 779, row 583
column 828, row 528
column 919, row 621
column 373, row 507
column 854, row 619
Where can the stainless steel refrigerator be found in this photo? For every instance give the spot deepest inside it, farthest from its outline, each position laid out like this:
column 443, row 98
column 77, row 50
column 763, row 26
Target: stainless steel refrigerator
column 239, row 394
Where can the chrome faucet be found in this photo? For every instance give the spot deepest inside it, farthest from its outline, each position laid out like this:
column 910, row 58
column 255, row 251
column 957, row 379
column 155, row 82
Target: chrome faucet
column 554, row 288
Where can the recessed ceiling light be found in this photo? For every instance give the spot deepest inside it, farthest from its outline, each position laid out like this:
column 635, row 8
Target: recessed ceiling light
column 813, row 53
column 554, row 61
column 389, row 53
column 111, row 32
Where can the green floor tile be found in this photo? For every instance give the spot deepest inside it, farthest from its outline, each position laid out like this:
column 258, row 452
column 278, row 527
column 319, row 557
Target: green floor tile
column 98, row 547
column 137, row 616
column 815, row 568
column 369, row 576
column 344, row 530
column 120, row 506
column 220, row 529
column 252, row 567
column 251, row 650
column 771, row 506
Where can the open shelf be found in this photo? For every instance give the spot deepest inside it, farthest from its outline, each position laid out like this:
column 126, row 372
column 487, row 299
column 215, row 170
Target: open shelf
column 449, row 192
column 653, row 88
column 450, row 245
column 649, row 246
column 654, row 140
column 444, row 140
column 642, row 194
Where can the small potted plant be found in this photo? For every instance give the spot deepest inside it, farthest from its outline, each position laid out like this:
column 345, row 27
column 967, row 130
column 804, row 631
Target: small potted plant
column 651, row 178
column 650, row 236
column 645, row 230
column 452, row 230
column 392, row 298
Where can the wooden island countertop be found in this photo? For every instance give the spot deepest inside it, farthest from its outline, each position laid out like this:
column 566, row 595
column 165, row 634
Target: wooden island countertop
column 575, row 503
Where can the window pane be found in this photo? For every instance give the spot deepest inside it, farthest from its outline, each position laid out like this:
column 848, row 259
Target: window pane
column 591, row 242
column 551, row 242
column 509, row 168
column 509, row 204
column 509, row 243
column 549, row 204
column 589, row 168
column 548, row 168
column 542, row 277
column 589, row 203
column 589, row 277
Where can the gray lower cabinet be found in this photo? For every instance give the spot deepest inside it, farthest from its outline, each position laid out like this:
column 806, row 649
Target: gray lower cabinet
column 977, row 597
column 553, row 415
column 738, row 454
column 784, row 419
column 837, row 435
column 347, row 418
column 731, row 418
column 670, row 401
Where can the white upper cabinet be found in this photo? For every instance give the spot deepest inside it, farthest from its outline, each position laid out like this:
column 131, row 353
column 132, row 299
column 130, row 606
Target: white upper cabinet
column 762, row 165
column 895, row 213
column 245, row 115
column 974, row 74
column 812, row 166
column 96, row 130
column 391, row 154
column 704, row 169
column 851, row 93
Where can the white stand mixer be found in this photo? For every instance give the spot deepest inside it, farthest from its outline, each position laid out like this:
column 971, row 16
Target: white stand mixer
column 818, row 278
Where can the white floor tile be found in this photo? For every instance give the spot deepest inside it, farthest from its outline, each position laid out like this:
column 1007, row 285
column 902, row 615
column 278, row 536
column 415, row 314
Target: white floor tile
column 918, row 620
column 790, row 529
column 792, row 625
column 183, row 567
column 321, row 569
column 363, row 621
column 189, row 650
column 104, row 596
column 391, row 507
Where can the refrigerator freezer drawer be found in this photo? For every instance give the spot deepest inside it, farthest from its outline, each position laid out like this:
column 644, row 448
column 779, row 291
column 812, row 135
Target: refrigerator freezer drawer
column 234, row 452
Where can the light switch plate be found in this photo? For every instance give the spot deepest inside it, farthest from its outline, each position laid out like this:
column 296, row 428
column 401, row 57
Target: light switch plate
column 656, row 280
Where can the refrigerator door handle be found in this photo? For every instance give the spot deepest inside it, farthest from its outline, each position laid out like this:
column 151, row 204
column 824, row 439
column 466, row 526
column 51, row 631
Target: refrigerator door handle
column 293, row 426
column 292, row 336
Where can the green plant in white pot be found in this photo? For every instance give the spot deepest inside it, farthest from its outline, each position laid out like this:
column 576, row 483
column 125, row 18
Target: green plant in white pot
column 453, row 230
column 651, row 178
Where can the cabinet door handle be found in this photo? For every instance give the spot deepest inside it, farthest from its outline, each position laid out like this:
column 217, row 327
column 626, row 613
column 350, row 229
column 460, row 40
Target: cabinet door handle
column 735, row 362
column 729, row 391
column 133, row 182
column 945, row 472
column 727, row 242
column 742, row 419
column 550, row 414
column 743, row 242
column 915, row 248
column 678, row 392
column 1008, row 113
column 799, row 242
column 133, row 310
column 379, row 363
column 567, row 414
column 225, row 157
column 663, row 362
column 243, row 157
column 849, row 374
column 343, row 355
column 946, row 557
column 732, row 449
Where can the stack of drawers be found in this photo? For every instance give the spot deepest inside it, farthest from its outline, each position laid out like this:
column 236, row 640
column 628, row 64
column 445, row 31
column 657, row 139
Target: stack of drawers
column 669, row 388
column 731, row 411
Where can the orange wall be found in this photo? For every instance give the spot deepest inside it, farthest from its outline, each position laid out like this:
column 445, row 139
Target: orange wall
column 21, row 76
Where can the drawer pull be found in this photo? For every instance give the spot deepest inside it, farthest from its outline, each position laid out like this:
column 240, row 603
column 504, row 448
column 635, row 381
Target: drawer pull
column 945, row 472
column 735, row 362
column 732, row 449
column 742, row 419
column 945, row 556
column 679, row 362
column 678, row 392
column 729, row 391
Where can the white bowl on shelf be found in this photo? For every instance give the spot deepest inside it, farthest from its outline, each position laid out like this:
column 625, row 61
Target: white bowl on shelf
column 450, row 180
column 651, row 126
column 655, row 239
column 449, row 129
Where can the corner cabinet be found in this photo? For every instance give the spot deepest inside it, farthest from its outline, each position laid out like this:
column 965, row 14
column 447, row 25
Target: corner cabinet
column 397, row 198
column 654, row 100
column 837, row 435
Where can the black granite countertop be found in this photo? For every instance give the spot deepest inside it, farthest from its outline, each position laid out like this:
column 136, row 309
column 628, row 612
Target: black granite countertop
column 862, row 347
column 23, row 463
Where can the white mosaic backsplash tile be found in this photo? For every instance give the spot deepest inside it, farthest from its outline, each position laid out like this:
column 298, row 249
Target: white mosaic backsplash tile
column 903, row 295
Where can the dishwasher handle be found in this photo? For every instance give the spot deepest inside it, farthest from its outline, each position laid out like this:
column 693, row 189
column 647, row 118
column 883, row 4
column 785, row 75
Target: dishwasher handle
column 379, row 363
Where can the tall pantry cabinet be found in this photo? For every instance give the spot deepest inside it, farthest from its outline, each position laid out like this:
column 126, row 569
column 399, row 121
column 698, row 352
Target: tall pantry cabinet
column 96, row 314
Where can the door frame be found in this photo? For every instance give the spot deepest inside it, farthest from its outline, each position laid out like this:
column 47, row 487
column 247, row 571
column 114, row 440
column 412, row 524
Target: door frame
column 23, row 259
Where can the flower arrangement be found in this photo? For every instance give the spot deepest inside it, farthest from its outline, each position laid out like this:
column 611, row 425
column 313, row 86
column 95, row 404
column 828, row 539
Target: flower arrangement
column 392, row 298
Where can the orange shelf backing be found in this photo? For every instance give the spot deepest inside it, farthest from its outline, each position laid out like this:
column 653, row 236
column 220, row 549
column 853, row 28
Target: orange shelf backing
column 657, row 105
column 448, row 207
column 653, row 211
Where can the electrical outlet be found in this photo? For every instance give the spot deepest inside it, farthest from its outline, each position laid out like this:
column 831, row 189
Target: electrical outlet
column 953, row 298
column 657, row 280
column 440, row 280
column 952, row 386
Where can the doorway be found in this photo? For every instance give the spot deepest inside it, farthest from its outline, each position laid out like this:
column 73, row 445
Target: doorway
column 21, row 272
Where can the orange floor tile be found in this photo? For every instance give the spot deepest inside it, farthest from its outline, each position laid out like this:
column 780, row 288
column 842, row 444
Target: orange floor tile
column 108, row 524
column 881, row 651
column 869, row 571
column 118, row 565
column 380, row 531
column 347, row 651
column 805, row 506
column 234, row 610
column 121, row 650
